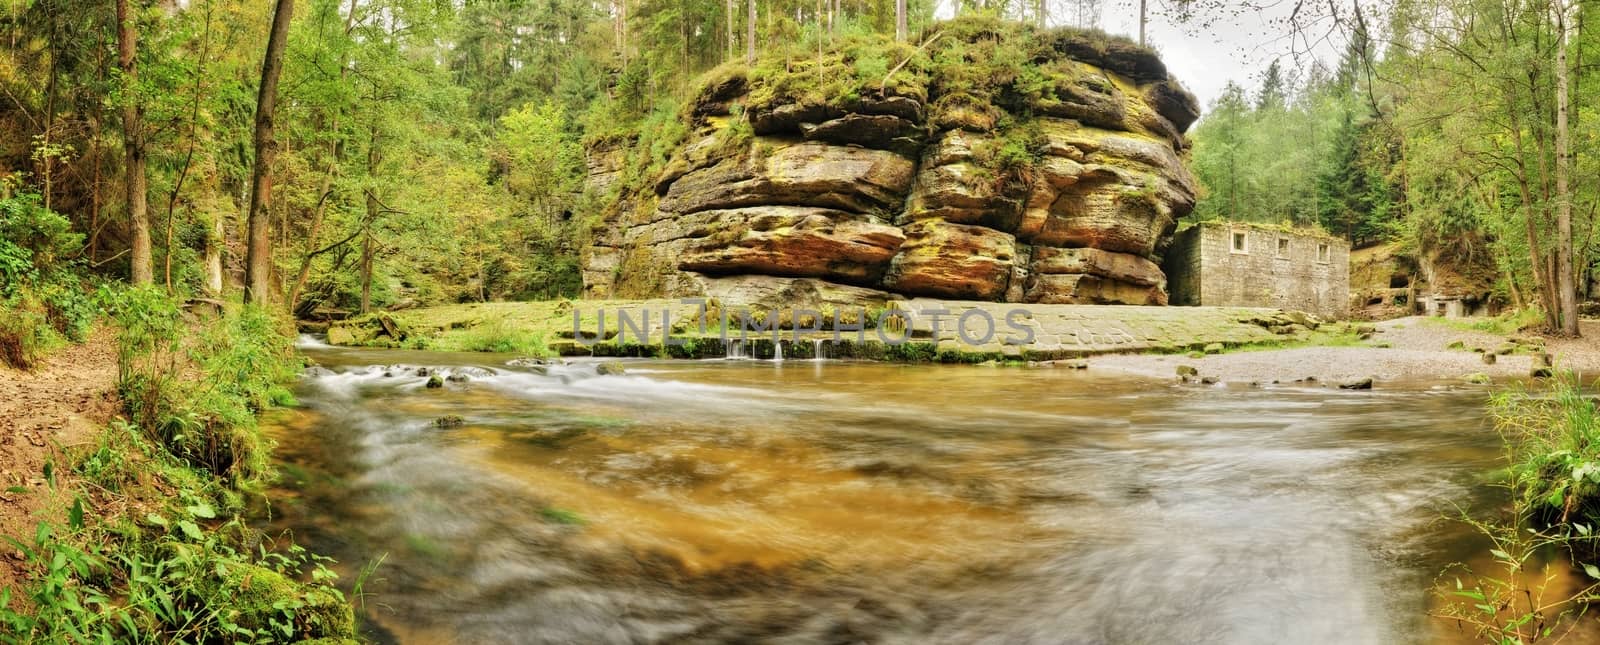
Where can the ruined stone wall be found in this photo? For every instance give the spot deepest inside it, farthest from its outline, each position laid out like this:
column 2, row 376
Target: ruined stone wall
column 1276, row 268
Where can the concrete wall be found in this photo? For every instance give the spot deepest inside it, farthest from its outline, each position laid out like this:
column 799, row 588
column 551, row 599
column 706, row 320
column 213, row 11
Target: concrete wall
column 1274, row 269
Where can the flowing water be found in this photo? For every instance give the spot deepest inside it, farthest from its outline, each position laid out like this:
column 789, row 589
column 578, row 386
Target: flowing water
column 838, row 502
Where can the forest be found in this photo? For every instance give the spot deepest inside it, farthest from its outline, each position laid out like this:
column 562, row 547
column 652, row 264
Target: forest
column 187, row 186
column 413, row 152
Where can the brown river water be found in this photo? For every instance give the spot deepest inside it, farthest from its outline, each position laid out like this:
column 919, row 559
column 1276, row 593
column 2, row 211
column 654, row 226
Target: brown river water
column 845, row 502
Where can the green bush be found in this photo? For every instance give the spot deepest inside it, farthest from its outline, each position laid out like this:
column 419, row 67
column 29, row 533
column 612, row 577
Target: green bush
column 168, row 581
column 209, row 422
column 41, row 294
column 1553, row 445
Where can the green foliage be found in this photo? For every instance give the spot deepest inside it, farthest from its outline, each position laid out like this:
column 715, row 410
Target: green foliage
column 502, row 336
column 1553, row 445
column 190, row 570
column 168, row 581
column 207, row 422
column 42, row 299
column 36, row 244
column 1552, row 452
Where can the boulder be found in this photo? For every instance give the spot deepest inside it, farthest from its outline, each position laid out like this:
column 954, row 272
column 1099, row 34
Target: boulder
column 1357, row 384
column 788, row 117
column 946, row 260
column 1082, row 289
column 1121, row 267
column 610, row 368
column 435, row 382
column 882, row 131
column 857, row 180
column 1174, row 104
column 796, row 241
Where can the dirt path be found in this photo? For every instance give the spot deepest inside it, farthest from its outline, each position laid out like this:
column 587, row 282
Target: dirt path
column 1419, row 349
column 61, row 403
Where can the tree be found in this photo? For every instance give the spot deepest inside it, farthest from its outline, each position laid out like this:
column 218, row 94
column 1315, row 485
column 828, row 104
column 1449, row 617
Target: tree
column 1566, row 285
column 258, row 253
column 142, row 271
column 900, row 31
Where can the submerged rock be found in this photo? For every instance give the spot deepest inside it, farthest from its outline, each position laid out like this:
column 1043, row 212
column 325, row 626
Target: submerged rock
column 610, row 368
column 1357, row 384
column 1188, row 371
column 449, row 421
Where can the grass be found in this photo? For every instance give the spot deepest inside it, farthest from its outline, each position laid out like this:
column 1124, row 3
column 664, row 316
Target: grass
column 154, row 547
column 1506, row 324
column 1551, row 439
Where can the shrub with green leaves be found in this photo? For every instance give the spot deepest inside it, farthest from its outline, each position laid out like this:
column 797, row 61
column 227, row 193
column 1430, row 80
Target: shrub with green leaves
column 42, row 298
column 1553, row 443
column 244, row 357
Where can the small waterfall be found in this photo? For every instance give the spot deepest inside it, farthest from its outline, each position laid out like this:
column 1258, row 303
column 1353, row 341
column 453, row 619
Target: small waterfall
column 816, row 349
column 777, row 351
column 735, row 350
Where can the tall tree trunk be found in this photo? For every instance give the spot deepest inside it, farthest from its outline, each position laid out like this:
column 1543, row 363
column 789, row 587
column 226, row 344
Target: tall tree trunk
column 732, row 41
column 215, row 238
column 133, row 144
column 1566, row 288
column 750, row 33
column 900, row 29
column 1144, row 17
column 258, row 249
column 366, row 263
column 620, row 27
column 374, row 209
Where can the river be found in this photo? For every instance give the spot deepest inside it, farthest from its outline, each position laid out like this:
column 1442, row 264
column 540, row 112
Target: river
column 840, row 502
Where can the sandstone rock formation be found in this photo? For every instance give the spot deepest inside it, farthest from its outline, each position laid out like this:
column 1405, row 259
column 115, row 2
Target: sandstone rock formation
column 1000, row 163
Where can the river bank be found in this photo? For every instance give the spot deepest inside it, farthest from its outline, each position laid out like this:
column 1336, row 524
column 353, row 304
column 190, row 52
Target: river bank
column 1407, row 349
column 1222, row 345
column 130, row 461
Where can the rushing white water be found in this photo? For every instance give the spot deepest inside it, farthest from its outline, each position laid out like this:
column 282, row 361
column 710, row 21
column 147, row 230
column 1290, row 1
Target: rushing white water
column 734, row 502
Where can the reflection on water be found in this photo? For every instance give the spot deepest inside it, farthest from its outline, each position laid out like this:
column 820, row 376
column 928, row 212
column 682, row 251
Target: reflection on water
column 839, row 502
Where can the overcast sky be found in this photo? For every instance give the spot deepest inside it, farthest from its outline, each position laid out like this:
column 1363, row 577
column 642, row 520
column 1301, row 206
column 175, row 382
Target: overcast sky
column 1204, row 59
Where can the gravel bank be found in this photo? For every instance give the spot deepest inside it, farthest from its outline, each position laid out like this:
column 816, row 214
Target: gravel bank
column 1419, row 349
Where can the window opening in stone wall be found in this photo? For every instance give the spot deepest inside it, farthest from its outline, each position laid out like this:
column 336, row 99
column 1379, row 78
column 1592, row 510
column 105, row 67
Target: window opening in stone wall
column 1322, row 253
column 1238, row 242
column 1283, row 247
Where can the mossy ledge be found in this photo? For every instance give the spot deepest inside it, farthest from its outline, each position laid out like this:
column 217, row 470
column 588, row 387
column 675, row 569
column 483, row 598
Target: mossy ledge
column 573, row 328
